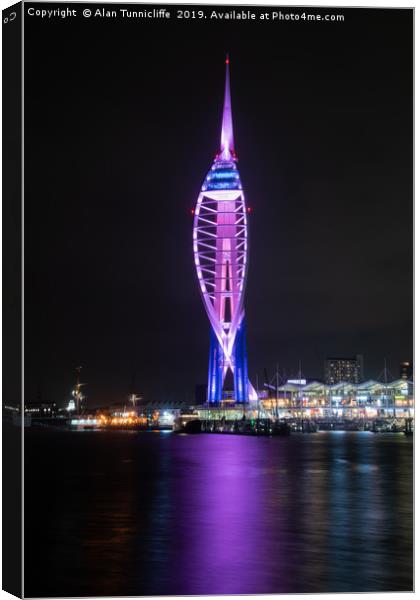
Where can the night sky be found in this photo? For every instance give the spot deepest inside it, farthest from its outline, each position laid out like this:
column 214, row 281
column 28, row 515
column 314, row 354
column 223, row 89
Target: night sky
column 122, row 124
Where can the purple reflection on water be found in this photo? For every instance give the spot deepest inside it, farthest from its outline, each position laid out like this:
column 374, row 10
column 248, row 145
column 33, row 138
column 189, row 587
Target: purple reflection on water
column 144, row 514
column 224, row 533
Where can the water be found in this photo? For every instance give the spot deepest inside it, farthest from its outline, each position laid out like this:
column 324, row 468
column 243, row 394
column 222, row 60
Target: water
column 126, row 513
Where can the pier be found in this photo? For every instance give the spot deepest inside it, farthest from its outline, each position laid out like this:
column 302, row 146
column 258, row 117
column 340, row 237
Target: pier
column 269, row 427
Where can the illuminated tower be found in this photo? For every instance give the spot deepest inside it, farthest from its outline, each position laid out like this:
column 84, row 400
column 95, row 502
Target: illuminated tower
column 220, row 254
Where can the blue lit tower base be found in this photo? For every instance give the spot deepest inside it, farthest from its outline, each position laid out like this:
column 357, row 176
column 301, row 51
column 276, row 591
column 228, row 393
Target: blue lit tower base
column 217, row 368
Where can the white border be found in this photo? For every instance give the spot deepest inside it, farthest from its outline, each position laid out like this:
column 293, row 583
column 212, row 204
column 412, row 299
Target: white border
column 321, row 3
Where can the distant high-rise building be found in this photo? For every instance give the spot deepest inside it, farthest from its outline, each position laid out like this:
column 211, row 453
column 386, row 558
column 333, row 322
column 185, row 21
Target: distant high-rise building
column 201, row 393
column 349, row 369
column 406, row 370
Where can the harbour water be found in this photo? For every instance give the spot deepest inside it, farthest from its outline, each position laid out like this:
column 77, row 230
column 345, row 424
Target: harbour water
column 144, row 513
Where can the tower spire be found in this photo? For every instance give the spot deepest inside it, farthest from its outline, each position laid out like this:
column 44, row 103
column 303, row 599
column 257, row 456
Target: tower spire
column 227, row 151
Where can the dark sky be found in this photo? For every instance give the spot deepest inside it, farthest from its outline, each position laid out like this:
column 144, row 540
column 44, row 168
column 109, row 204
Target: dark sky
column 122, row 124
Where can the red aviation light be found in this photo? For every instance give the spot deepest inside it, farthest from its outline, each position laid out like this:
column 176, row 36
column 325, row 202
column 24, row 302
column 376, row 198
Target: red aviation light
column 249, row 210
column 192, row 211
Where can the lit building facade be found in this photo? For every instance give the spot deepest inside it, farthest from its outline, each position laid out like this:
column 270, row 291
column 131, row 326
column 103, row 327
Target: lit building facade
column 220, row 241
column 348, row 369
column 366, row 399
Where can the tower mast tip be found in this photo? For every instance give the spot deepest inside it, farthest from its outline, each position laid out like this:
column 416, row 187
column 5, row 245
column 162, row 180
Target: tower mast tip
column 227, row 151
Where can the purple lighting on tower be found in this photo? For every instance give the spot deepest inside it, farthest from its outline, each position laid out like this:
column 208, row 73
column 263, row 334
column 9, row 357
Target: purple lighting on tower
column 226, row 139
column 220, row 255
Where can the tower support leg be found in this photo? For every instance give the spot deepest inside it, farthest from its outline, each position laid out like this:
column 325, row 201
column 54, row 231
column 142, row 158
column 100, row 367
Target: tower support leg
column 215, row 379
column 241, row 365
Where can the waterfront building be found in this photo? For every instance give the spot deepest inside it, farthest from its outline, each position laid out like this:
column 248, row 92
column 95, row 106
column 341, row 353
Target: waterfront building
column 41, row 409
column 406, row 370
column 366, row 399
column 220, row 242
column 348, row 369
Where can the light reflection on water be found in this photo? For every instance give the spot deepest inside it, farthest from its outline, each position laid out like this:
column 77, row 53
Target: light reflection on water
column 147, row 513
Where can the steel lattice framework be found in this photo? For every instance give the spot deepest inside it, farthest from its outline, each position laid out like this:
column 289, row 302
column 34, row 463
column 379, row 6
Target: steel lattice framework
column 221, row 255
